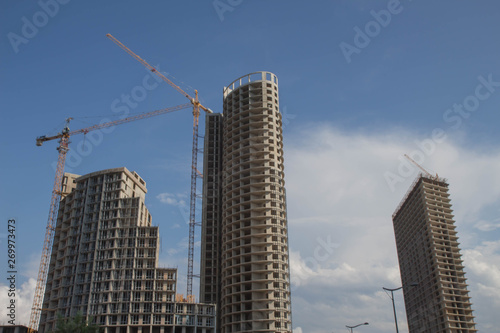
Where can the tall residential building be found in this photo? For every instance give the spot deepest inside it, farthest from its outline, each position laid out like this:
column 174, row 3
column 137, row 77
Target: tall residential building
column 245, row 261
column 104, row 262
column 429, row 258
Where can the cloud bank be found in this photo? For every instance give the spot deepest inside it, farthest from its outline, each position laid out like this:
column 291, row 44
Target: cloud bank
column 342, row 247
column 340, row 207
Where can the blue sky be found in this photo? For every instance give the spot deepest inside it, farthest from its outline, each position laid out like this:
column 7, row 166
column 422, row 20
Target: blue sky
column 352, row 117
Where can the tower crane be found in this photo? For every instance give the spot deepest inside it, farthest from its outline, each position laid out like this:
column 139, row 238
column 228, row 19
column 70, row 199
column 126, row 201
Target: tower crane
column 427, row 173
column 63, row 148
column 194, row 157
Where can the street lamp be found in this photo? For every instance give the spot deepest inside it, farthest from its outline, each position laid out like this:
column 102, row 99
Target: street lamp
column 351, row 327
column 393, row 306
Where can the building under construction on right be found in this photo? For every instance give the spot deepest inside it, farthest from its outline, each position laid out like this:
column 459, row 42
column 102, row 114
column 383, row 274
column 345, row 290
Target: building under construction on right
column 432, row 270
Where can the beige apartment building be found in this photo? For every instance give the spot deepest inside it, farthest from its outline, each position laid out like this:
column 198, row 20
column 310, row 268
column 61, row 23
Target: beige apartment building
column 430, row 259
column 245, row 260
column 104, row 262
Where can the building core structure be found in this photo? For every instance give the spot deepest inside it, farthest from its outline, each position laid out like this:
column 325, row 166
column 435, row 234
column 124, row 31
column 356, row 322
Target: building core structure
column 430, row 260
column 244, row 259
column 104, row 262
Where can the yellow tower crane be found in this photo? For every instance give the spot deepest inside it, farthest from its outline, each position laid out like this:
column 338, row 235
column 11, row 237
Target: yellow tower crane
column 194, row 157
column 63, row 148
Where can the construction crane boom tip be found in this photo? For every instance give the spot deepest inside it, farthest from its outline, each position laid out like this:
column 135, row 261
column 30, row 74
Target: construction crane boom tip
column 39, row 140
column 427, row 173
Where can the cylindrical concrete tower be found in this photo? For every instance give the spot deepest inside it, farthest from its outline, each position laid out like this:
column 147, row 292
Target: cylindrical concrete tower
column 255, row 263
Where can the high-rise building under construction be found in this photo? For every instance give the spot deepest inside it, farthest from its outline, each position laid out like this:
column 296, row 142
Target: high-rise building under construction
column 430, row 260
column 244, row 260
column 104, row 262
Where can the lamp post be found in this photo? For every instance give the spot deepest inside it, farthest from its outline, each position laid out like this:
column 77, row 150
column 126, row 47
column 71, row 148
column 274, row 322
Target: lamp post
column 414, row 284
column 393, row 306
column 351, row 327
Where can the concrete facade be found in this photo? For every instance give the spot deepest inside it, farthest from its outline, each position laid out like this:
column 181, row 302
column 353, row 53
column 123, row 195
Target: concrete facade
column 104, row 261
column 248, row 246
column 429, row 256
column 211, row 233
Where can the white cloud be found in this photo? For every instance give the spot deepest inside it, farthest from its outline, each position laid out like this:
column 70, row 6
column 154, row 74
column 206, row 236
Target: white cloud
column 25, row 291
column 336, row 189
column 487, row 226
column 172, row 199
column 172, row 251
column 23, row 302
column 342, row 248
column 484, row 261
